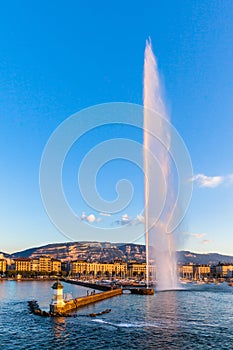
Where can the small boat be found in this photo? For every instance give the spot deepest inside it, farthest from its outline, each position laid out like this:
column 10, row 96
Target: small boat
column 142, row 291
column 230, row 284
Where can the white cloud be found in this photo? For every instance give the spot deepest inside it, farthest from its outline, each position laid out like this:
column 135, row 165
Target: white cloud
column 198, row 235
column 212, row 181
column 91, row 218
column 105, row 214
column 207, row 181
column 195, row 235
column 83, row 216
column 99, row 220
column 205, row 241
column 140, row 219
column 125, row 219
column 202, row 180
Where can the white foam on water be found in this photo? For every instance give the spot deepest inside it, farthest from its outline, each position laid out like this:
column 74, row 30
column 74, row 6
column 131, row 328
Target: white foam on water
column 127, row 325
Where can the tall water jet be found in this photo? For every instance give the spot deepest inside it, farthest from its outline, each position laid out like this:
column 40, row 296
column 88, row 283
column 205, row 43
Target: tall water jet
column 160, row 244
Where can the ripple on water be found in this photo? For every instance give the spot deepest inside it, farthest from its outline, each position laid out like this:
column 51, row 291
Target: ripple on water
column 191, row 319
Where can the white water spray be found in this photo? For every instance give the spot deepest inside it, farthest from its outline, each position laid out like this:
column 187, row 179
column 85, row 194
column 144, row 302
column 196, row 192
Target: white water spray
column 160, row 245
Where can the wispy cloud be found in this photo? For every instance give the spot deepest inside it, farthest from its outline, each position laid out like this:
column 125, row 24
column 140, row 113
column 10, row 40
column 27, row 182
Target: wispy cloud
column 198, row 235
column 202, row 180
column 99, row 220
column 230, row 179
column 195, row 235
column 140, row 219
column 205, row 241
column 105, row 214
column 126, row 220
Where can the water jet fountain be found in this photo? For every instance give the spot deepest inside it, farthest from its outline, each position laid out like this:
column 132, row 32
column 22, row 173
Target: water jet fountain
column 160, row 245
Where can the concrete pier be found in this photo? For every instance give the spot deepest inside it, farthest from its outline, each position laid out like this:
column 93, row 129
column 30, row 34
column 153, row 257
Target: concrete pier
column 83, row 301
column 87, row 284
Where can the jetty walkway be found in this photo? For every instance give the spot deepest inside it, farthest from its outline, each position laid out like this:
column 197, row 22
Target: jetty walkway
column 88, row 284
column 61, row 307
column 90, row 299
column 133, row 289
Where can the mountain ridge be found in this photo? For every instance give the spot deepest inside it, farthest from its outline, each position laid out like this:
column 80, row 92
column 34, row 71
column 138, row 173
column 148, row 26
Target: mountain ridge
column 107, row 251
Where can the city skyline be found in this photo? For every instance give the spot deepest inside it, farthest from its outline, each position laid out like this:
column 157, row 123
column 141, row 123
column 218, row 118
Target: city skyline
column 62, row 60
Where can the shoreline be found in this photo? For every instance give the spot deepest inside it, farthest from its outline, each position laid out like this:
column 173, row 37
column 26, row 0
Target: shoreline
column 27, row 279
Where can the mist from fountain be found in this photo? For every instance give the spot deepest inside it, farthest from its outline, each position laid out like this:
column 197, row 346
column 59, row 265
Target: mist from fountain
column 160, row 244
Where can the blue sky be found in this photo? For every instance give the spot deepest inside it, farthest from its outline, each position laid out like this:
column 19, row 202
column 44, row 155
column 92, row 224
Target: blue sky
column 57, row 58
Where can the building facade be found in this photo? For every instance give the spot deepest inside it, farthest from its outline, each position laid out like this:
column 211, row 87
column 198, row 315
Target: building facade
column 95, row 269
column 22, row 264
column 224, row 270
column 201, row 271
column 186, row 271
column 3, row 265
column 41, row 265
column 138, row 270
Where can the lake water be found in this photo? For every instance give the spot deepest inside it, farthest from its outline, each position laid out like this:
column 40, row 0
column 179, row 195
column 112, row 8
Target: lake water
column 200, row 317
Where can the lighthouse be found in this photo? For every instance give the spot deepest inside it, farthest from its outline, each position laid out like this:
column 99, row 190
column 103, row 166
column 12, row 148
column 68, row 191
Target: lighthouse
column 57, row 302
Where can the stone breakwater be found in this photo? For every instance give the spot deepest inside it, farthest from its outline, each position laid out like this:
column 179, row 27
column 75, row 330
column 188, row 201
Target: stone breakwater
column 86, row 300
column 34, row 308
column 72, row 305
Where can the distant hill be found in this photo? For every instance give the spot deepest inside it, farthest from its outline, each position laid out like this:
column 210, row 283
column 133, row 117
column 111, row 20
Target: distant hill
column 90, row 251
column 4, row 255
column 106, row 251
column 210, row 258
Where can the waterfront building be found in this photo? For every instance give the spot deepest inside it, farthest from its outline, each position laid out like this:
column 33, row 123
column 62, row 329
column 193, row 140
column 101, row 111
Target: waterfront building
column 3, row 265
column 224, row 270
column 186, row 271
column 22, row 264
column 201, row 271
column 47, row 264
column 138, row 270
column 95, row 269
column 35, row 266
column 213, row 271
column 55, row 265
column 43, row 264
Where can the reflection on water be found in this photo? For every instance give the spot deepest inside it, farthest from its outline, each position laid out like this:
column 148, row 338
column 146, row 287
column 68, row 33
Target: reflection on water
column 58, row 327
column 200, row 318
column 165, row 314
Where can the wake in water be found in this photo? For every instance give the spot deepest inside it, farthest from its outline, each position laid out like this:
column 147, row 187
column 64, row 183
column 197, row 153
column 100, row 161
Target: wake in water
column 128, row 325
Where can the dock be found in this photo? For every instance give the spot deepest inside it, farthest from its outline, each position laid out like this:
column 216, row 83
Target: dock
column 76, row 303
column 133, row 289
column 87, row 284
column 61, row 306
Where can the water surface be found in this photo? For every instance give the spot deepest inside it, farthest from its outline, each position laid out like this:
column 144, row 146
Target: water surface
column 198, row 318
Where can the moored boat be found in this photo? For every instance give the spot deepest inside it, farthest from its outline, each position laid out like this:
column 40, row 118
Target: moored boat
column 142, row 291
